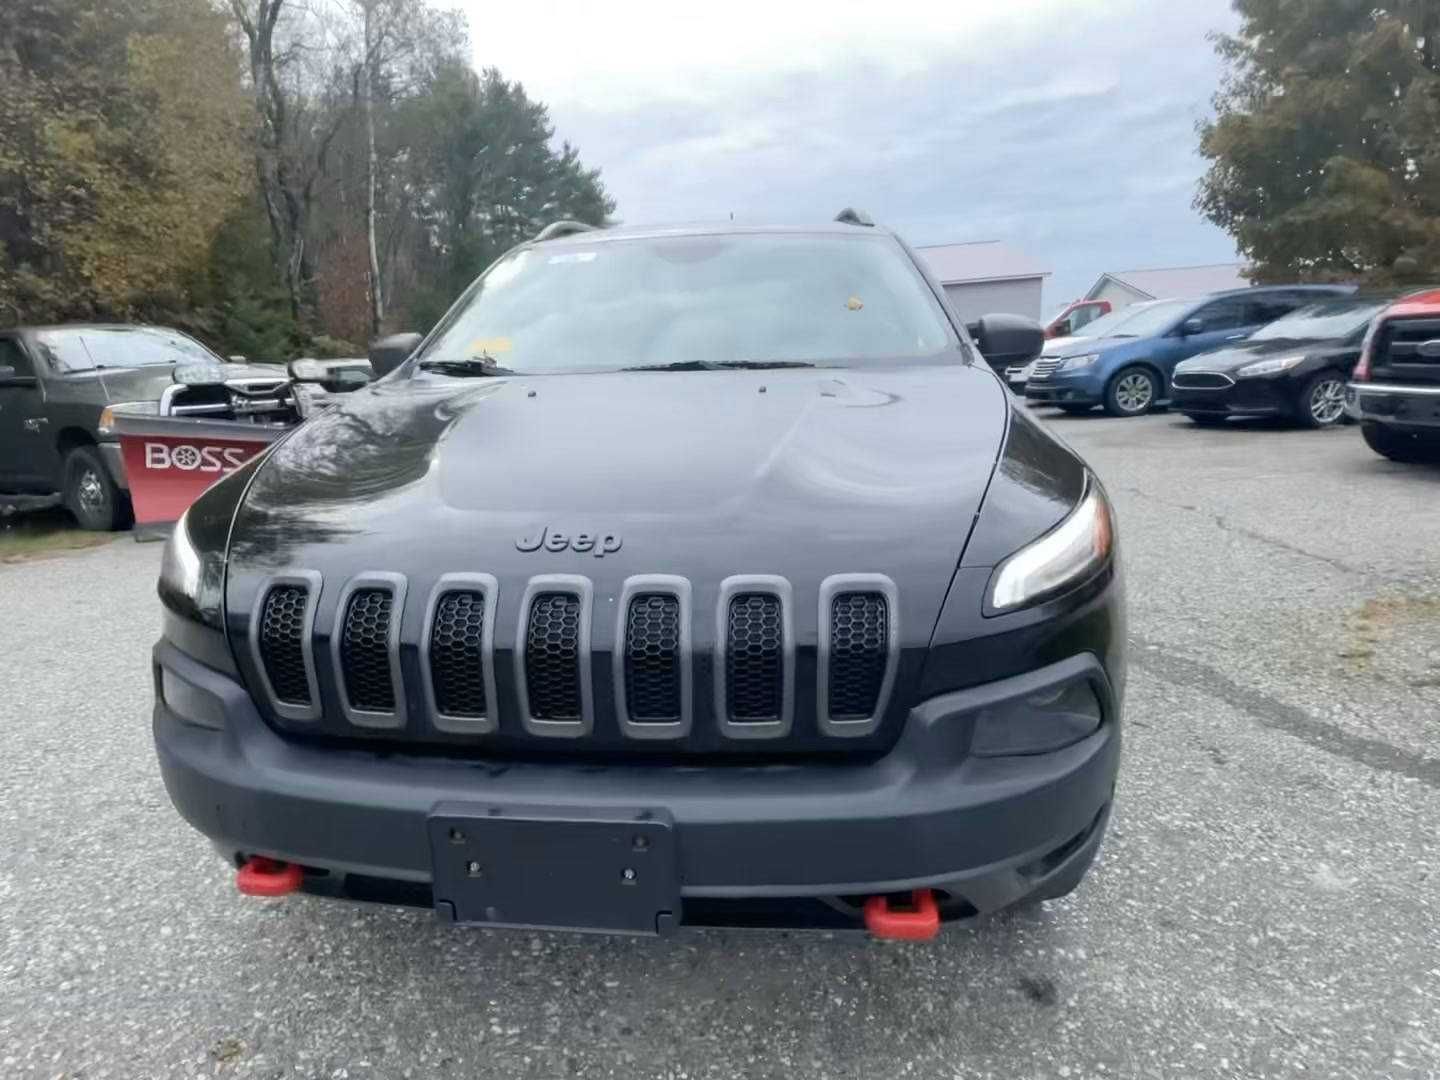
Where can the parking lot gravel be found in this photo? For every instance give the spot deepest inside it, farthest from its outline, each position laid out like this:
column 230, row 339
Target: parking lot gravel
column 1267, row 902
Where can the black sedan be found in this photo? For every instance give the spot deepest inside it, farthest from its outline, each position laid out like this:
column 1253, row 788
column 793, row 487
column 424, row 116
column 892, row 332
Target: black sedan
column 1297, row 367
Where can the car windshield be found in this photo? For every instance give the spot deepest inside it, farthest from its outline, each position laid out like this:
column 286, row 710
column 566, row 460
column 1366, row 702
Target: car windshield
column 1109, row 324
column 1150, row 318
column 88, row 348
column 693, row 301
column 1317, row 322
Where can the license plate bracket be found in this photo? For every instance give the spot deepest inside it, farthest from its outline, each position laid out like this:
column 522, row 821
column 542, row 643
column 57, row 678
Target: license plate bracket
column 538, row 867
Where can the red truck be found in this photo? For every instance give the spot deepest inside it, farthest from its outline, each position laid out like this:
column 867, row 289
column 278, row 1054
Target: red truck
column 1395, row 389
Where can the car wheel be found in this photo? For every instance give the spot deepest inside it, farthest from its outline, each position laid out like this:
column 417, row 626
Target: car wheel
column 90, row 493
column 1207, row 419
column 1132, row 392
column 1399, row 447
column 1322, row 400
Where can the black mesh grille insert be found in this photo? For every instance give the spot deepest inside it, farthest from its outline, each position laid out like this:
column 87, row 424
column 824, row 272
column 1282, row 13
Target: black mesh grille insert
column 282, row 643
column 652, row 658
column 754, row 660
column 859, row 650
column 456, row 654
column 365, row 651
column 552, row 657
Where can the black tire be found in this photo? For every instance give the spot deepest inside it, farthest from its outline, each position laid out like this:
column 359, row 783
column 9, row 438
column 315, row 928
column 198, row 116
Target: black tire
column 90, row 493
column 1410, row 449
column 1207, row 419
column 1123, row 393
column 1076, row 410
column 1321, row 401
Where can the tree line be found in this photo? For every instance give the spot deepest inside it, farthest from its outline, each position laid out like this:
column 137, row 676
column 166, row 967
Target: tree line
column 279, row 177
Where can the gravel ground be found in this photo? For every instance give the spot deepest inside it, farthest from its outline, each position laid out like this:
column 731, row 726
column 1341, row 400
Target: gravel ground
column 1267, row 903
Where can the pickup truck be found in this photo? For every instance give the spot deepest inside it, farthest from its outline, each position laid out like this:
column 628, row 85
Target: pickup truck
column 60, row 387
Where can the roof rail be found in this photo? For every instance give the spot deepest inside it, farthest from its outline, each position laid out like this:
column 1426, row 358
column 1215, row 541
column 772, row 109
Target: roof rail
column 557, row 229
column 851, row 216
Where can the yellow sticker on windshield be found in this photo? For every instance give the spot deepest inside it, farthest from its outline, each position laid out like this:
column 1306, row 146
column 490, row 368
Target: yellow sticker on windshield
column 489, row 346
column 854, row 303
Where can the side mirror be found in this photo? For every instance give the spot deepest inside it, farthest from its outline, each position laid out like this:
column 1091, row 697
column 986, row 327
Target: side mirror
column 388, row 353
column 1008, row 340
column 1192, row 326
column 306, row 370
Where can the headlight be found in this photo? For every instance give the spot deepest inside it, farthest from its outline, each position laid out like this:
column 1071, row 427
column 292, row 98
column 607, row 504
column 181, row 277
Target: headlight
column 1269, row 367
column 192, row 579
column 1069, row 553
column 1075, row 362
column 132, row 408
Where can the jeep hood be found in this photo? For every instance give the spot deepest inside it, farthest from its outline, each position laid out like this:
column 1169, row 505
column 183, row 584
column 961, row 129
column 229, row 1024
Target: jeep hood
column 800, row 473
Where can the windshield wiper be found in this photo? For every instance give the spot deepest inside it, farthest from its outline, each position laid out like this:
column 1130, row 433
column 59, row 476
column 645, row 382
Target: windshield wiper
column 723, row 365
column 466, row 367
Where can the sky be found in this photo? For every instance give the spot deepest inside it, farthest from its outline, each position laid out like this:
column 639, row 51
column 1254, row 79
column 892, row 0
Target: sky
column 1064, row 127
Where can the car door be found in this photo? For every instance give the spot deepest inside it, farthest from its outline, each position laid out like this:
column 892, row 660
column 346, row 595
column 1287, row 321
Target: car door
column 1221, row 322
column 27, row 451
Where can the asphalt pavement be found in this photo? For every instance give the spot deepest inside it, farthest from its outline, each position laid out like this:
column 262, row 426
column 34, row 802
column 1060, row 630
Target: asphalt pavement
column 1267, row 902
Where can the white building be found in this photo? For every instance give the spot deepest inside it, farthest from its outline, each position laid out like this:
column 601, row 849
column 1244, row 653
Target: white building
column 987, row 277
column 1125, row 287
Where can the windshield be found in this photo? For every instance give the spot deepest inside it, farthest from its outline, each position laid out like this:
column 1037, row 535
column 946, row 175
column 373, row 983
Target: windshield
column 694, row 301
column 1317, row 322
column 1139, row 320
column 88, row 348
column 1106, row 325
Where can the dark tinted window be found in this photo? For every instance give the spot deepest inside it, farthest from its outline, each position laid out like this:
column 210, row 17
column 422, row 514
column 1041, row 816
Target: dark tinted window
column 1227, row 314
column 656, row 301
column 11, row 355
column 1264, row 309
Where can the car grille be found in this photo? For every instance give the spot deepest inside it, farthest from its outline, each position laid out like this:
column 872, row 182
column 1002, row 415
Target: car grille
column 365, row 651
column 859, row 652
column 552, row 657
column 1404, row 351
column 1044, row 369
column 457, row 659
column 282, row 643
column 643, row 687
column 652, row 659
column 754, row 675
column 1202, row 380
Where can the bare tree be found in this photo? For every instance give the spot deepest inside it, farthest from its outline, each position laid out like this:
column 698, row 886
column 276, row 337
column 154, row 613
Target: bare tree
column 291, row 146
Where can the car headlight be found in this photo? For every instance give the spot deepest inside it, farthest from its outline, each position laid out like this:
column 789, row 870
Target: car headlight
column 1269, row 367
column 1076, row 549
column 1074, row 363
column 191, row 579
column 130, row 408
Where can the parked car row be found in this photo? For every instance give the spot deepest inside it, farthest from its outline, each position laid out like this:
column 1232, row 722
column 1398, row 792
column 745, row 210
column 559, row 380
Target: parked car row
column 61, row 388
column 1315, row 354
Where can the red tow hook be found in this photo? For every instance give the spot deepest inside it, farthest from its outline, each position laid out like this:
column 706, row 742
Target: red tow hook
column 267, row 877
column 920, row 921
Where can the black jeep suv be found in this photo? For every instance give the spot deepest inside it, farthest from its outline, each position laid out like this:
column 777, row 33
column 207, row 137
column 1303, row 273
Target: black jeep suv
column 698, row 575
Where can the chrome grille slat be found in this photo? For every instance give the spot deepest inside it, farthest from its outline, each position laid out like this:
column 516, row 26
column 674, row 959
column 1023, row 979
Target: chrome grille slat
column 552, row 656
column 457, row 653
column 859, row 652
column 755, row 657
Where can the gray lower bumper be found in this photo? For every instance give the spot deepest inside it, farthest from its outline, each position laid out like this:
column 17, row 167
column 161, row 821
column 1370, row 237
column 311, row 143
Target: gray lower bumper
column 1394, row 404
column 927, row 814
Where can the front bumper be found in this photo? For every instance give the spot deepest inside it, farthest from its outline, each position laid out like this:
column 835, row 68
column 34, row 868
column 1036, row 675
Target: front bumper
column 1405, row 407
column 986, row 831
column 1055, row 391
column 1244, row 397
